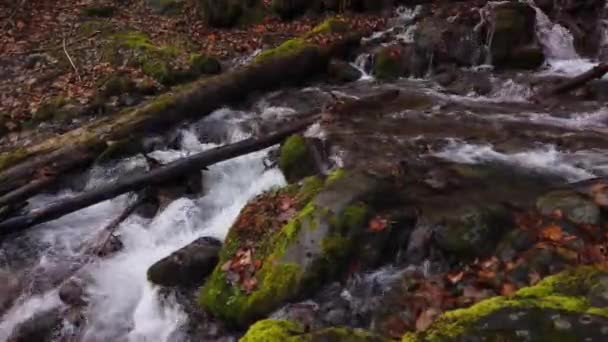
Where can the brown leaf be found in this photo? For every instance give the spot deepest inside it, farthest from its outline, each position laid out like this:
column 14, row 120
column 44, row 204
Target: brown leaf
column 508, row 289
column 534, row 277
column 378, row 224
column 426, row 318
column 455, row 277
column 552, row 232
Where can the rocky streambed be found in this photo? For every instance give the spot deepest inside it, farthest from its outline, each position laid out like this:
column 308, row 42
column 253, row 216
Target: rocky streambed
column 450, row 206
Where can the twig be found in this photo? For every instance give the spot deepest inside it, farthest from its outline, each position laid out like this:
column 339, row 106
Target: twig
column 65, row 50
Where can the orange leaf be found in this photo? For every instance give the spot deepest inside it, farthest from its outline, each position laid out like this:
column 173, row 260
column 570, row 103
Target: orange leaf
column 507, row 289
column 378, row 224
column 552, row 232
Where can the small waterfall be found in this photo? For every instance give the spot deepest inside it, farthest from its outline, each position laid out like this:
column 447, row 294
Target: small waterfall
column 364, row 63
column 556, row 40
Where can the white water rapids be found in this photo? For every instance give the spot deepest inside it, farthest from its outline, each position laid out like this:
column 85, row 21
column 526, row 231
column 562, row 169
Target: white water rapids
column 124, row 306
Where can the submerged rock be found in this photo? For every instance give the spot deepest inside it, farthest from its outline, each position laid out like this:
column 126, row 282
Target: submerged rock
column 272, row 257
column 188, row 266
column 10, row 286
column 39, row 328
column 72, row 293
column 341, row 71
column 284, row 330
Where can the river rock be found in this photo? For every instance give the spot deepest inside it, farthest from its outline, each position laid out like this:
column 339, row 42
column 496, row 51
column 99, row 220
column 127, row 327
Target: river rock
column 188, row 266
column 38, row 328
column 343, row 72
column 558, row 307
column 272, row 257
column 573, row 206
column 10, row 286
column 297, row 158
column 165, row 6
column 471, row 231
column 514, row 43
column 72, row 293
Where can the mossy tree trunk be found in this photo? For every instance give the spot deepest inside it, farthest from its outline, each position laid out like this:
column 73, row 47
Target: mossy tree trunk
column 80, row 147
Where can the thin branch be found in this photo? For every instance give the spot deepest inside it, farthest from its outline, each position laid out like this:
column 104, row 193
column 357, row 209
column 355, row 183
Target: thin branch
column 65, row 50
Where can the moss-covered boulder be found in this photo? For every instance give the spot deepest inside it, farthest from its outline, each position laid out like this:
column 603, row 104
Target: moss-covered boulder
column 559, row 308
column 471, row 231
column 116, row 85
column 571, row 205
column 514, row 42
column 290, row 242
column 342, row 72
column 56, row 109
column 296, row 160
column 390, row 63
column 290, row 331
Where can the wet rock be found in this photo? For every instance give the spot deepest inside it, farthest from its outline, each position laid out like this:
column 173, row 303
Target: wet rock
column 343, row 72
column 312, row 243
column 472, row 231
column 440, row 41
column 72, row 293
column 551, row 309
column 39, row 328
column 514, row 39
column 571, row 205
column 188, row 266
column 392, row 62
column 10, row 286
column 297, row 159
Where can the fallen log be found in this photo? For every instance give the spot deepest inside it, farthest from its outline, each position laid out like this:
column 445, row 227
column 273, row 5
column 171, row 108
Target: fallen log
column 80, row 147
column 576, row 82
column 153, row 177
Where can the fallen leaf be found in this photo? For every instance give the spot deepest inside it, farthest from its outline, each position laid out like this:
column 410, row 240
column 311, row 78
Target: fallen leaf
column 378, row 224
column 426, row 318
column 507, row 289
column 552, row 232
column 455, row 277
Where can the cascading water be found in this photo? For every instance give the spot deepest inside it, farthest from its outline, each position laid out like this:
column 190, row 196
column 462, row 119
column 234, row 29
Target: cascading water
column 124, row 306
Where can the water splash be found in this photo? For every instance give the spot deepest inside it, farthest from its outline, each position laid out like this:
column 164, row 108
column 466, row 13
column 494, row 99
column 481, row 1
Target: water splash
column 544, row 159
column 123, row 305
column 557, row 41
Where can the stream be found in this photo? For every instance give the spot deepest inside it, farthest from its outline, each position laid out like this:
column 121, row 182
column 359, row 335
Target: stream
column 124, row 306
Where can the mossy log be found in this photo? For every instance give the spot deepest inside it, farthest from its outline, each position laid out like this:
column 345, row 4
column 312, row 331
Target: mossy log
column 81, row 146
column 154, row 177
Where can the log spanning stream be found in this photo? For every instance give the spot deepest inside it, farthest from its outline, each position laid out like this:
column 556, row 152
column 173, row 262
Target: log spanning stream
column 124, row 306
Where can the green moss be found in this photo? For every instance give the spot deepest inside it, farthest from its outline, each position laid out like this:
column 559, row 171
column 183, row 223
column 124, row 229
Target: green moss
column 290, row 47
column 272, row 330
column 53, row 109
column 409, row 337
column 276, row 280
column 330, row 25
column 334, row 176
column 158, row 70
column 309, row 188
column 295, row 160
column 560, row 292
column 387, row 65
column 353, row 217
column 8, row 159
